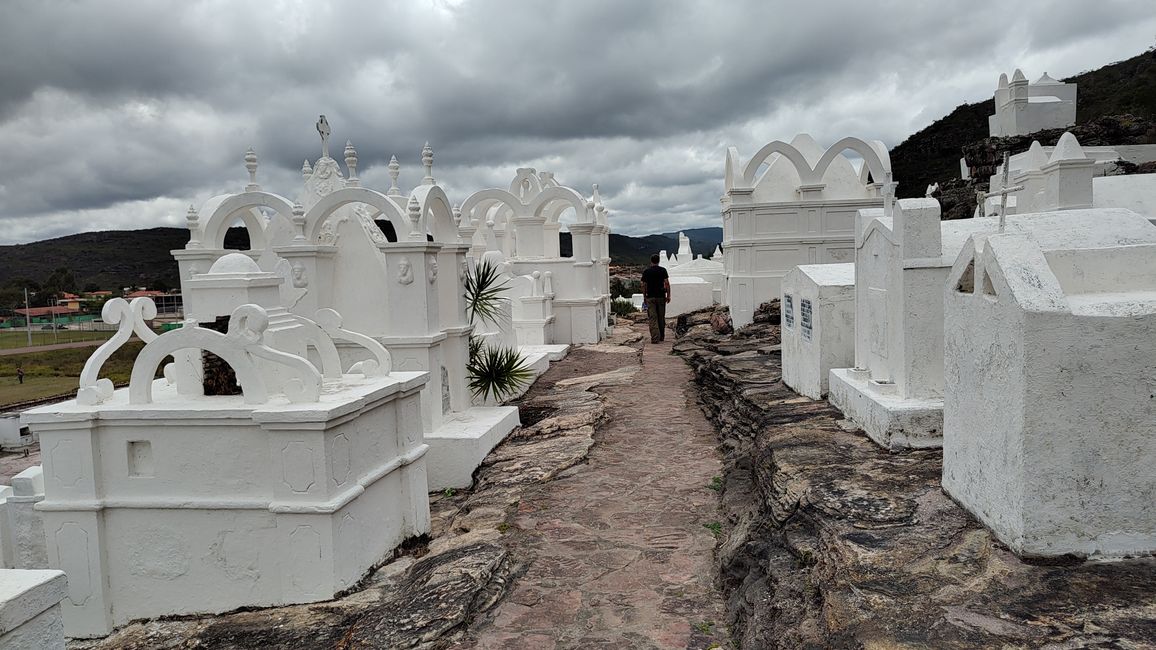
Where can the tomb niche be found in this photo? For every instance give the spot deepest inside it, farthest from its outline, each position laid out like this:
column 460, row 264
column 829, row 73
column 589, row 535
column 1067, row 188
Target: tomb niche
column 161, row 501
column 792, row 204
column 523, row 224
column 1049, row 421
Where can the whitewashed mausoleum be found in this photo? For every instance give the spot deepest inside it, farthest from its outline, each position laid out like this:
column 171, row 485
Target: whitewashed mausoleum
column 1049, row 418
column 793, row 204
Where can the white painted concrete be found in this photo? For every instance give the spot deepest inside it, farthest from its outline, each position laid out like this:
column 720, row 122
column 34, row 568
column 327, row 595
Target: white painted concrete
column 800, row 210
column 30, row 616
column 1022, row 108
column 1049, row 419
column 818, row 325
column 687, row 294
column 456, row 450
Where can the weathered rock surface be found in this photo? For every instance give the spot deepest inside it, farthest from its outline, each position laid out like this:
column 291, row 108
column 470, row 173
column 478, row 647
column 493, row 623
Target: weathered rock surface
column 834, row 542
column 437, row 586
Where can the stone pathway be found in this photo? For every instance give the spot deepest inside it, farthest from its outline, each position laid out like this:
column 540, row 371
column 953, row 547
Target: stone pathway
column 619, row 550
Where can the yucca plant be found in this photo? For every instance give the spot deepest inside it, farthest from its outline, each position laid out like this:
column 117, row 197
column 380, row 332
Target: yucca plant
column 484, row 286
column 498, row 372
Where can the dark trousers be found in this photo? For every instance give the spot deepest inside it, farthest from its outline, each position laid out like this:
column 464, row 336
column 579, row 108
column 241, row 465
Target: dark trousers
column 656, row 318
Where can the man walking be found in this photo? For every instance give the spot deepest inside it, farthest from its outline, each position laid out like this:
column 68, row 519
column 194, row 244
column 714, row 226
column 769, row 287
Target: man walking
column 656, row 290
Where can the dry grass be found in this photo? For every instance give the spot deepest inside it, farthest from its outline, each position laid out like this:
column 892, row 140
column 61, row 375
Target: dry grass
column 19, row 339
column 56, row 372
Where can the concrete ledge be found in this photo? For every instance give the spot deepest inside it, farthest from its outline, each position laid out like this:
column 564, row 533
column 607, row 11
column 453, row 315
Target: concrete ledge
column 554, row 352
column 30, row 609
column 459, row 445
column 892, row 422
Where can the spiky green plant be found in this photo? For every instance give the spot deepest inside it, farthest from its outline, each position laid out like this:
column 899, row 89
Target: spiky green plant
column 484, row 286
column 498, row 372
column 476, row 345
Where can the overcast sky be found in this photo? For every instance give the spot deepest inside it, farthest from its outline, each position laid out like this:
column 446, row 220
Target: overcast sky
column 118, row 114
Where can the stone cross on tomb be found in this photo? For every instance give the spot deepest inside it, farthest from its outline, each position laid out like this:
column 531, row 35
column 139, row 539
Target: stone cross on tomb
column 1003, row 193
column 323, row 130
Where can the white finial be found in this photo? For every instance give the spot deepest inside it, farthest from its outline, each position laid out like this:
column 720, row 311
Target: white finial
column 351, row 164
column 394, row 171
column 192, row 221
column 427, row 160
column 306, row 170
column 299, row 223
column 251, row 165
column 414, row 210
column 457, row 214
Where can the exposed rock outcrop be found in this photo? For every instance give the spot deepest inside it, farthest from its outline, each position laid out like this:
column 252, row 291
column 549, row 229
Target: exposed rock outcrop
column 834, row 542
column 436, row 586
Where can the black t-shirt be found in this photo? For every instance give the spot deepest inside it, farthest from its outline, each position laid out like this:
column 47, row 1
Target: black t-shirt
column 653, row 276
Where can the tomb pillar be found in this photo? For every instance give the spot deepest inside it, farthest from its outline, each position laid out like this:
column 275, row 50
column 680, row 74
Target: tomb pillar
column 414, row 320
column 74, row 528
column 455, row 324
column 550, row 239
column 1068, row 176
column 312, row 271
column 580, row 235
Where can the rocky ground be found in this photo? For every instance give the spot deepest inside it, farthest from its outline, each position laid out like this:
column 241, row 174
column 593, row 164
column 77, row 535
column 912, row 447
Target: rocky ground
column 834, row 542
column 591, row 526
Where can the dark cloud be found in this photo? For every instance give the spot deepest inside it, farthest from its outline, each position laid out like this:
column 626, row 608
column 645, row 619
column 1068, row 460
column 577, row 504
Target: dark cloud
column 116, row 115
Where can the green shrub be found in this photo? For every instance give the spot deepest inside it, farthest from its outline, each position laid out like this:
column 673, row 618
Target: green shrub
column 622, row 307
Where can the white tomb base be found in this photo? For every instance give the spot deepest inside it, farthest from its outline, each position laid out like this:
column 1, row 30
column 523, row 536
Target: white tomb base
column 463, row 440
column 203, row 505
column 687, row 294
column 30, row 609
column 457, row 448
column 818, row 325
column 891, row 421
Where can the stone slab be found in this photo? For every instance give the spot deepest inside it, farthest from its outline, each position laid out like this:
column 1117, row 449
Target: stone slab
column 459, row 445
column 892, row 422
column 30, row 609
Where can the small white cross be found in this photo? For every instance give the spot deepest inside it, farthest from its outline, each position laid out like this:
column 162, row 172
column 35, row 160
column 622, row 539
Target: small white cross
column 1003, row 193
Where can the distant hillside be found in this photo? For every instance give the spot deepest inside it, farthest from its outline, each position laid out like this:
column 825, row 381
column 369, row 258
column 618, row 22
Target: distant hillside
column 115, row 259
column 1125, row 88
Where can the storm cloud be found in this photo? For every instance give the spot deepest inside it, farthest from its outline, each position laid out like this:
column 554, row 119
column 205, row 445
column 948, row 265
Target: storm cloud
column 119, row 114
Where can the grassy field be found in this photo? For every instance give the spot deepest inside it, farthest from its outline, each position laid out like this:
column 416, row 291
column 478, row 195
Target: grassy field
column 19, row 339
column 56, row 372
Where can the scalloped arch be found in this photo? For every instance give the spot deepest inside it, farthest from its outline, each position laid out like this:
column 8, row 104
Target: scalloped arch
column 242, row 205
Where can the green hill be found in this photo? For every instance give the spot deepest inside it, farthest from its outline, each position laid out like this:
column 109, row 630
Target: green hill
column 1115, row 104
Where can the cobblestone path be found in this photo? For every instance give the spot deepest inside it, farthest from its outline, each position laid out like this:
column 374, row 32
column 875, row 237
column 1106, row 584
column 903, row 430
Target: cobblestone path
column 619, row 550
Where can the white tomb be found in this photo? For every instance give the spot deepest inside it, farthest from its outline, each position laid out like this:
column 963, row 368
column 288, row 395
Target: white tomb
column 160, row 500
column 1022, row 108
column 523, row 223
column 687, row 294
column 817, row 326
column 1050, row 425
column 895, row 389
column 1071, row 177
column 800, row 210
column 707, row 270
column 407, row 293
column 30, row 616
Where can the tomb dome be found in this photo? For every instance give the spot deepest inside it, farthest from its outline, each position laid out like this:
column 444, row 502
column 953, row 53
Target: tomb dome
column 234, row 263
